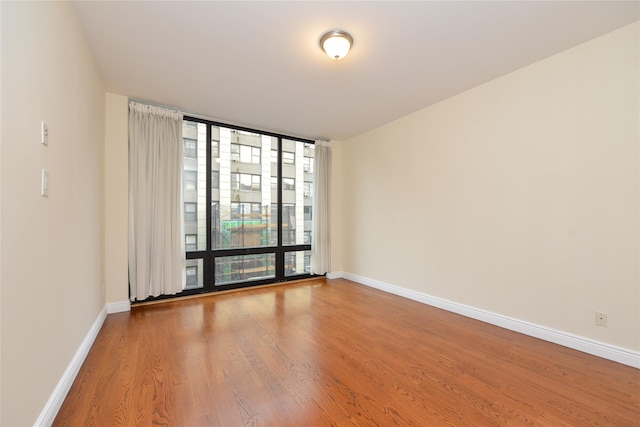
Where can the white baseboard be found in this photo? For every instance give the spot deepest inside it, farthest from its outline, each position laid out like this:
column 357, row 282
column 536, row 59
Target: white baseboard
column 118, row 307
column 56, row 399
column 335, row 275
column 607, row 351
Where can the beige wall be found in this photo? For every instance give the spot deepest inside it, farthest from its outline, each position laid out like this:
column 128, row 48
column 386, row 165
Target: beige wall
column 52, row 257
column 520, row 196
column 116, row 207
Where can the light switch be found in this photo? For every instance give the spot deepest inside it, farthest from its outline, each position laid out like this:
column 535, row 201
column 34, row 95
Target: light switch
column 44, row 133
column 45, row 183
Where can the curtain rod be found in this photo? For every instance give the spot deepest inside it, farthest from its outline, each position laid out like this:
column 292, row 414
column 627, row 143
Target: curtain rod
column 230, row 123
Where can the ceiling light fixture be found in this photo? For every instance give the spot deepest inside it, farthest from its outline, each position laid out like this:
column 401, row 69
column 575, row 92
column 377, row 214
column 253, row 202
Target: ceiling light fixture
column 336, row 43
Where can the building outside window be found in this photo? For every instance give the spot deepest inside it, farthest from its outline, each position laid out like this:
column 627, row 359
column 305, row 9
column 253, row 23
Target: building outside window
column 242, row 210
column 191, row 242
column 190, row 212
column 308, row 186
column 190, row 148
column 245, row 154
column 190, row 180
column 245, row 182
column 308, row 164
column 192, row 277
column 288, row 158
column 215, row 149
column 215, row 179
column 289, row 184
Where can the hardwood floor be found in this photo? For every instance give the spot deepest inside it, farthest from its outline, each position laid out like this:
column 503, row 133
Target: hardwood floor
column 325, row 353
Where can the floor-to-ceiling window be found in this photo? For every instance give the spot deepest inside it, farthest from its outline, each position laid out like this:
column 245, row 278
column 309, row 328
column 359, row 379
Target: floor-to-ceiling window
column 247, row 206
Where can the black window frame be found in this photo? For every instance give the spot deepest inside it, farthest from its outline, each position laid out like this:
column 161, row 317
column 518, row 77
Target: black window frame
column 210, row 254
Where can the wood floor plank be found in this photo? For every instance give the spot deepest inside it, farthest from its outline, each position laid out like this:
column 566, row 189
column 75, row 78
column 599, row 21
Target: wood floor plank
column 335, row 353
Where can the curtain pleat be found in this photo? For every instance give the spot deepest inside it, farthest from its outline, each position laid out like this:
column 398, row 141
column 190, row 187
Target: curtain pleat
column 156, row 247
column 320, row 218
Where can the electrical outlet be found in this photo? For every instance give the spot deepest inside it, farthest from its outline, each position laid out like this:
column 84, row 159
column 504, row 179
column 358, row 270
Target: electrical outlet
column 601, row 318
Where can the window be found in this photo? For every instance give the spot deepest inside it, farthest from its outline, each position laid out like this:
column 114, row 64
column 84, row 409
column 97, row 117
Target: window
column 245, row 154
column 215, row 180
column 190, row 212
column 194, row 178
column 190, row 138
column 194, row 274
column 242, row 210
column 245, row 182
column 288, row 158
column 307, row 189
column 288, row 184
column 235, row 153
column 307, row 164
column 288, row 224
column 307, row 261
column 215, row 149
column 241, row 268
column 307, row 213
column 190, row 180
column 297, row 263
column 237, row 231
column 190, row 148
column 192, row 277
column 191, row 242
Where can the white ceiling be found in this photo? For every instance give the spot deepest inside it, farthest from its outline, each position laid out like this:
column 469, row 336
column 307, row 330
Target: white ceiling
column 258, row 64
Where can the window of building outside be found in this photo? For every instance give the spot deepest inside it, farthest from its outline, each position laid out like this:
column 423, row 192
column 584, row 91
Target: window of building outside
column 308, row 185
column 239, row 232
column 190, row 148
column 289, row 184
column 308, row 164
column 190, row 212
column 215, row 180
column 245, row 154
column 191, row 242
column 190, row 180
column 215, row 149
column 192, row 276
column 288, row 157
column 245, row 182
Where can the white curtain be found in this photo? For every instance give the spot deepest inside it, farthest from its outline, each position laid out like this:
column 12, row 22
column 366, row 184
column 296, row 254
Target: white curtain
column 156, row 247
column 321, row 214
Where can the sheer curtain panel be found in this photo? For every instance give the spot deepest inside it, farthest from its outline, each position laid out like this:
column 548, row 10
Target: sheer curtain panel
column 156, row 246
column 320, row 218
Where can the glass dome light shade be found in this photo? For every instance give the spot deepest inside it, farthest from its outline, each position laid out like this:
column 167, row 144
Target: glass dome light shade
column 336, row 44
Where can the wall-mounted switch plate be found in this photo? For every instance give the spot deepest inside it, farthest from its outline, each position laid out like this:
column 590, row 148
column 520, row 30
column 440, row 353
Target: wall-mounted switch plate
column 44, row 133
column 44, row 191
